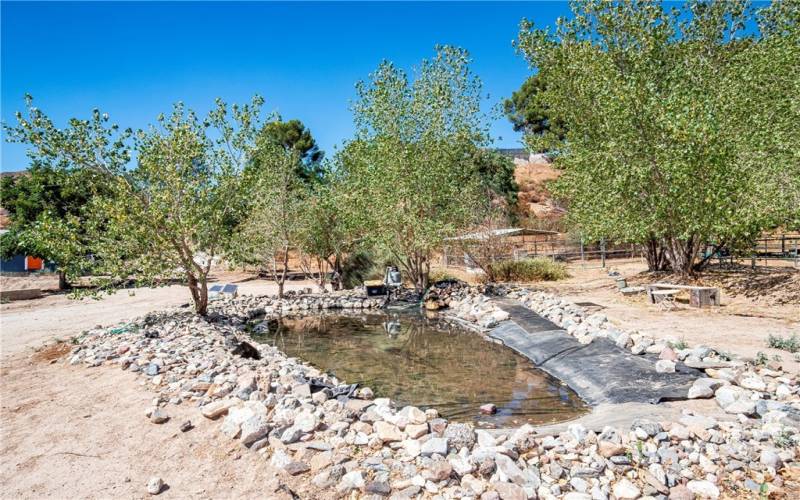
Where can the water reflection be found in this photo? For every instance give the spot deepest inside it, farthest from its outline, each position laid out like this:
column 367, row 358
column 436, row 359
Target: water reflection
column 428, row 363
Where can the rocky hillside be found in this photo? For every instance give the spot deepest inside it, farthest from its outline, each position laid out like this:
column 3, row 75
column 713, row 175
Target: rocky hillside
column 532, row 174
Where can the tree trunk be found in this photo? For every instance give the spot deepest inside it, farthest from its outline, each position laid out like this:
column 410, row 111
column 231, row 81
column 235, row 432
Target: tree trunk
column 199, row 291
column 63, row 283
column 420, row 273
column 284, row 272
column 336, row 275
column 655, row 255
column 681, row 254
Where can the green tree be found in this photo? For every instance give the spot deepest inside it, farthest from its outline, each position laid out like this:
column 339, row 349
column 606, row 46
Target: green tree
column 496, row 173
column 174, row 213
column 527, row 111
column 46, row 207
column 271, row 230
column 327, row 235
column 681, row 125
column 68, row 167
column 295, row 138
column 410, row 179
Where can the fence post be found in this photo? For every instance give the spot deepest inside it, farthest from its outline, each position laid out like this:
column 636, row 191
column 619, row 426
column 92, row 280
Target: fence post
column 603, row 253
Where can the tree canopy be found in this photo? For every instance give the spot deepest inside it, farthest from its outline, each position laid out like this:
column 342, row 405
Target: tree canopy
column 528, row 113
column 48, row 204
column 296, row 139
column 681, row 125
column 410, row 178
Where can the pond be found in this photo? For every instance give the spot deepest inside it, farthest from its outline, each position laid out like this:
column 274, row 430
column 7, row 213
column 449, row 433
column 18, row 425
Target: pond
column 427, row 363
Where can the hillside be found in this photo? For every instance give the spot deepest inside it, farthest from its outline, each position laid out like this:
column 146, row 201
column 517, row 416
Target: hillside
column 534, row 199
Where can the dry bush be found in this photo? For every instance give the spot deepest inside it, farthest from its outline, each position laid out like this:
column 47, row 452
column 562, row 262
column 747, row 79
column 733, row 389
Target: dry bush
column 527, row 270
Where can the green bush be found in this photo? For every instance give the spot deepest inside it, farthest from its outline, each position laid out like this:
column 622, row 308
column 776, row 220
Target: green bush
column 791, row 344
column 527, row 270
column 356, row 268
column 440, row 275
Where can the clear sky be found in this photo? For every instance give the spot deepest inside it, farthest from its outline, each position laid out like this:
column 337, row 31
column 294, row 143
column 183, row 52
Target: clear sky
column 133, row 60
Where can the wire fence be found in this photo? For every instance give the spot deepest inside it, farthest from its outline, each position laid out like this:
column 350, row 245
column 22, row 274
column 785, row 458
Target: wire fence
column 783, row 248
column 558, row 249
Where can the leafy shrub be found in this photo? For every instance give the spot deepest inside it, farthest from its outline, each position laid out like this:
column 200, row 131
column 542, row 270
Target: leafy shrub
column 791, row 344
column 440, row 275
column 356, row 268
column 528, row 270
column 679, row 345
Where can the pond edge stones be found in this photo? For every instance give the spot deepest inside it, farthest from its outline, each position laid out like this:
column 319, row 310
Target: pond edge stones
column 371, row 447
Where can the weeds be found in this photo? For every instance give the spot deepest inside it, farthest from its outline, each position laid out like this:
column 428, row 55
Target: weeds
column 528, row 270
column 784, row 439
column 440, row 275
column 679, row 345
column 724, row 356
column 761, row 359
column 791, row 344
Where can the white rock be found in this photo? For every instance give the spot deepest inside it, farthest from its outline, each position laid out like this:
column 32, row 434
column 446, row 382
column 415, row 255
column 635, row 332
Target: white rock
column 434, row 446
column 154, row 485
column 351, row 481
column 705, row 489
column 306, row 421
column 626, row 490
column 388, row 433
column 413, row 415
column 665, row 366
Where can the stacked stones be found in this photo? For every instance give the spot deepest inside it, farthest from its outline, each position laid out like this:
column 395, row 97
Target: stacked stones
column 294, row 302
column 368, row 448
column 442, row 293
column 478, row 309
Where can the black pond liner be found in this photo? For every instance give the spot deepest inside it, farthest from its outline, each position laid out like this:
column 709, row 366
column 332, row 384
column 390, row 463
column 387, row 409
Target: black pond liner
column 600, row 372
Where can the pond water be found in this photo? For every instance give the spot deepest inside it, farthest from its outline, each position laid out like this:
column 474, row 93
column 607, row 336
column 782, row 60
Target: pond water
column 428, row 363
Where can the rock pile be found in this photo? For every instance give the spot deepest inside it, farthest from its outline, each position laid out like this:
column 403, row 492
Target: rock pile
column 442, row 293
column 364, row 447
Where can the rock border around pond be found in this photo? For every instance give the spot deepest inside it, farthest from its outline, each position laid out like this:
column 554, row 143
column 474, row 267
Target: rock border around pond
column 273, row 405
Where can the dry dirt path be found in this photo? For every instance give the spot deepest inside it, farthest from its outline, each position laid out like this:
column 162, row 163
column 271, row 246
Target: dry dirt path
column 31, row 323
column 77, row 432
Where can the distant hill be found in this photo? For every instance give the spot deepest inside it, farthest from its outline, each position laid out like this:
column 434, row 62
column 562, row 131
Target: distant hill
column 532, row 173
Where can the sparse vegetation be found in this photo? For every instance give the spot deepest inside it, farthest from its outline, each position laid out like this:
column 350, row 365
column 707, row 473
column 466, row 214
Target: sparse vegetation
column 679, row 345
column 790, row 344
column 440, row 275
column 529, row 270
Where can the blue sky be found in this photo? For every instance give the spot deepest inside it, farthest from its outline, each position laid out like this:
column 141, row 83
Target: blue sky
column 133, row 60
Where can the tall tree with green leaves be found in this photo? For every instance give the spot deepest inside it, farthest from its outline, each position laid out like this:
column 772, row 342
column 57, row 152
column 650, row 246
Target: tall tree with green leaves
column 296, row 139
column 327, row 234
column 410, row 179
column 496, row 173
column 681, row 124
column 528, row 113
column 68, row 167
column 174, row 213
column 272, row 227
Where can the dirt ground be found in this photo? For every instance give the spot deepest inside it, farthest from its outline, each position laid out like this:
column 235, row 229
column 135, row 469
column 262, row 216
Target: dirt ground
column 68, row 432
column 741, row 325
column 73, row 432
column 77, row 432
column 29, row 323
